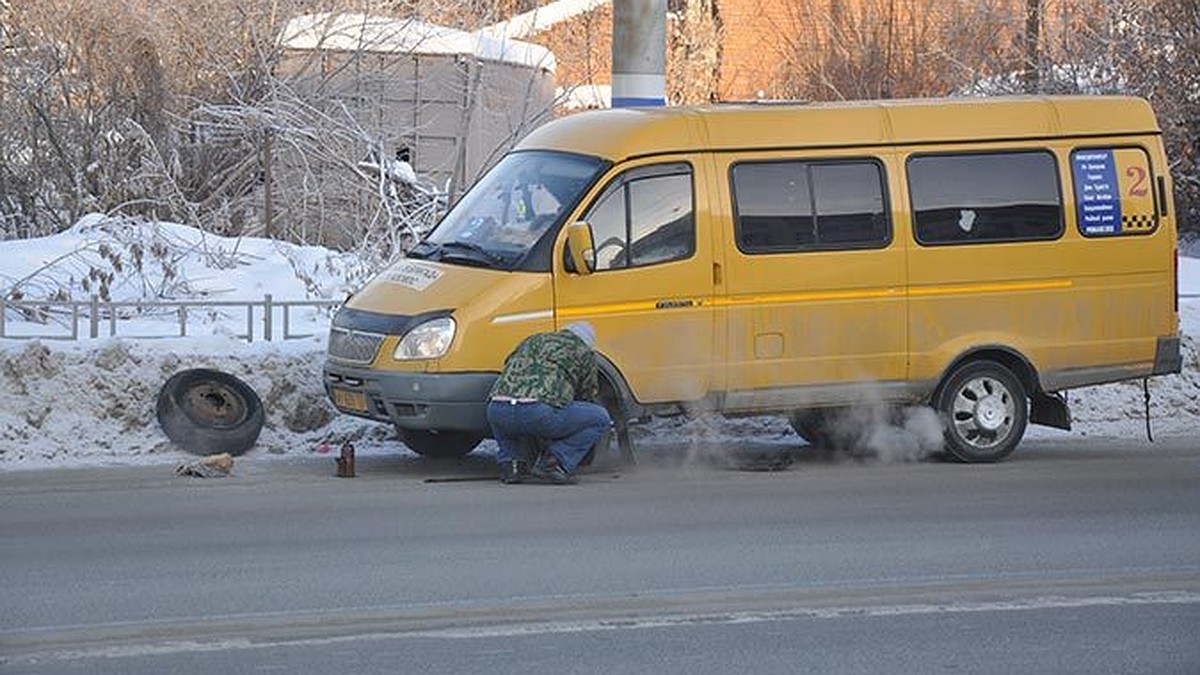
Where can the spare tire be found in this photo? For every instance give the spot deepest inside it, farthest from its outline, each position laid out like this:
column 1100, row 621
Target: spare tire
column 207, row 411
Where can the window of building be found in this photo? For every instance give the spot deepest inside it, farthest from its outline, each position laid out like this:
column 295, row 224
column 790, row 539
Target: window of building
column 978, row 198
column 645, row 217
column 798, row 206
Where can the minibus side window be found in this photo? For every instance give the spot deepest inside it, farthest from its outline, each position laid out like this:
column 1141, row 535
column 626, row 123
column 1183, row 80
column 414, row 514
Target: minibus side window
column 784, row 206
column 985, row 197
column 645, row 217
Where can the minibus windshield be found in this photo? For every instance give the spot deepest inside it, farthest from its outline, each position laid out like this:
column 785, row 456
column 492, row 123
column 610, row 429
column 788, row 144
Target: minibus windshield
column 506, row 212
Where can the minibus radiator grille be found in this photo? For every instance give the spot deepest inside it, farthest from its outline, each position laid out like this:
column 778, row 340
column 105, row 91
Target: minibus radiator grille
column 351, row 346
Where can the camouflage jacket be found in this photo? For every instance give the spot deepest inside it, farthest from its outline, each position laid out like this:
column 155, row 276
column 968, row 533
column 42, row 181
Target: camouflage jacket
column 554, row 368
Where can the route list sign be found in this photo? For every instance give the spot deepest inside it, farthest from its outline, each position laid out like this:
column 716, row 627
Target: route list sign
column 1097, row 193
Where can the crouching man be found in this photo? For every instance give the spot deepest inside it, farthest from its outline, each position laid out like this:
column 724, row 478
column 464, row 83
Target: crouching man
column 548, row 391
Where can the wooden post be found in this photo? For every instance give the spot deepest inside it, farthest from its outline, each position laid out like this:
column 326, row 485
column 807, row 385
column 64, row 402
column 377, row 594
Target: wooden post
column 267, row 312
column 94, row 318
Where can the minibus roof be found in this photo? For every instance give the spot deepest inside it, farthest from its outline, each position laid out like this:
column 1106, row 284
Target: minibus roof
column 620, row 134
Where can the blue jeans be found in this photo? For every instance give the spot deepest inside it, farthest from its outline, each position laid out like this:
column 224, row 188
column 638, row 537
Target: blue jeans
column 569, row 432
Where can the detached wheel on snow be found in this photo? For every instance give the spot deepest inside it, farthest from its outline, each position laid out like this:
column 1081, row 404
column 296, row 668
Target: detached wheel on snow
column 207, row 411
column 985, row 410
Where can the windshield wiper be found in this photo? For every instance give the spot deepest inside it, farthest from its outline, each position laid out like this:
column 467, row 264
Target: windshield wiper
column 423, row 250
column 478, row 253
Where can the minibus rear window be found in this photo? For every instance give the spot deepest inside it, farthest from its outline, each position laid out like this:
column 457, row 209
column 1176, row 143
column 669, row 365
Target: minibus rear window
column 985, row 197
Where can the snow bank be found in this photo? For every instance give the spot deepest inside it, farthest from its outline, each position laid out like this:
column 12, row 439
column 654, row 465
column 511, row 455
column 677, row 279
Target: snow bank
column 94, row 401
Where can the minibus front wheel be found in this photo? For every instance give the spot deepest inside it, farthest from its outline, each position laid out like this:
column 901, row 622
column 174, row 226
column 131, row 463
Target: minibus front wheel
column 985, row 409
column 612, row 401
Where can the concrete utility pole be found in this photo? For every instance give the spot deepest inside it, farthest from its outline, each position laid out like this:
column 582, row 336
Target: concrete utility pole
column 1033, row 20
column 639, row 52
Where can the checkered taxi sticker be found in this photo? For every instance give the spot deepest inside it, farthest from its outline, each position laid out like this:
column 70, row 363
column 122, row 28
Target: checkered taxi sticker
column 1113, row 191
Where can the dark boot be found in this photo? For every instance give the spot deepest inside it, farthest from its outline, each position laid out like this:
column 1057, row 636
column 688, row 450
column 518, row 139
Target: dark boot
column 547, row 469
column 512, row 472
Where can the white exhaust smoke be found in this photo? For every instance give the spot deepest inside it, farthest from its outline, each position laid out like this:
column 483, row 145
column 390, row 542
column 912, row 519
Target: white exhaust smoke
column 891, row 435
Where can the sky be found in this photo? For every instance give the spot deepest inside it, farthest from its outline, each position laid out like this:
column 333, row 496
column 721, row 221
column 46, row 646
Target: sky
column 90, row 402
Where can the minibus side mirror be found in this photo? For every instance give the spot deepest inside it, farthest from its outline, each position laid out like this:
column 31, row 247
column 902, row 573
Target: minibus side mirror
column 581, row 252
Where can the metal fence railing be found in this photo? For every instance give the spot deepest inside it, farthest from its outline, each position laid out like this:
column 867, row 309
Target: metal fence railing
column 84, row 319
column 76, row 319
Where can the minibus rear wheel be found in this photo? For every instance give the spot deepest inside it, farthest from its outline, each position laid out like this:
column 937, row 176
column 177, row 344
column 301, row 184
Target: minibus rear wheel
column 831, row 430
column 813, row 425
column 985, row 409
column 439, row 444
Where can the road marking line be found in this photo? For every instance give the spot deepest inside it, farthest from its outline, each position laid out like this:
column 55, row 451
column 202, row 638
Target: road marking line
column 519, row 629
column 821, row 613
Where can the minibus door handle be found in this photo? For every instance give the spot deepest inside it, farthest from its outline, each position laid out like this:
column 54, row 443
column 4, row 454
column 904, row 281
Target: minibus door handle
column 716, row 274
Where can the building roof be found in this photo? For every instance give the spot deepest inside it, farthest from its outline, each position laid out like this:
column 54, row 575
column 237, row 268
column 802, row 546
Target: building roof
column 542, row 18
column 363, row 32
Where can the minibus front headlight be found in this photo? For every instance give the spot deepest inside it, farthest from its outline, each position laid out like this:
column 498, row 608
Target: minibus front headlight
column 427, row 341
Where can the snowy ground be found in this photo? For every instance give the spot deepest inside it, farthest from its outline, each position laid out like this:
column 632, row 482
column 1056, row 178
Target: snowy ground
column 91, row 402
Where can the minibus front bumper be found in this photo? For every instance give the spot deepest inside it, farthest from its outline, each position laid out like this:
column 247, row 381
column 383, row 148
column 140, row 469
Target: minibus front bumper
column 412, row 401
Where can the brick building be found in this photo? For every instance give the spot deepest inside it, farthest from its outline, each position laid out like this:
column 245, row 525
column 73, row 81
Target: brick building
column 745, row 49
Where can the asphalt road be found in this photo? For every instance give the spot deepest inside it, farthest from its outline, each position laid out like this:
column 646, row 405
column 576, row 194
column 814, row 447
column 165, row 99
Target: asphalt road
column 1075, row 556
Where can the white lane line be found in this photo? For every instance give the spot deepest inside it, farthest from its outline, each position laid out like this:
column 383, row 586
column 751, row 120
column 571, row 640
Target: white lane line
column 821, row 613
column 171, row 647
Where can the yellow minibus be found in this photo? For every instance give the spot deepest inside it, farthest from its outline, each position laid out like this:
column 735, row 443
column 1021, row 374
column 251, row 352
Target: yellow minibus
column 982, row 256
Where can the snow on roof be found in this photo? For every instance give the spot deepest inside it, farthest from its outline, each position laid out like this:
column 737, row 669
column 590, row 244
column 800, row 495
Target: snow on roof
column 537, row 20
column 363, row 32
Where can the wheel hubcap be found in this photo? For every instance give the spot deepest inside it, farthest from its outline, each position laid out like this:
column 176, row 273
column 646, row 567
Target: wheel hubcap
column 983, row 412
column 990, row 412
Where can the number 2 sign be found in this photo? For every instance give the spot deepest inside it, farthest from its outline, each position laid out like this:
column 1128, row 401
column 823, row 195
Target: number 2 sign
column 1113, row 192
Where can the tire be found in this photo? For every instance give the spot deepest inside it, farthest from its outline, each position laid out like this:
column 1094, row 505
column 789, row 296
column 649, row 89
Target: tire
column 207, row 411
column 825, row 428
column 440, row 444
column 611, row 400
column 811, row 425
column 985, row 410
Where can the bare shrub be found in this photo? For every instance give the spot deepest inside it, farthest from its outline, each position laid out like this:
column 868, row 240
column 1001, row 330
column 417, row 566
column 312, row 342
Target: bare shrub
column 174, row 111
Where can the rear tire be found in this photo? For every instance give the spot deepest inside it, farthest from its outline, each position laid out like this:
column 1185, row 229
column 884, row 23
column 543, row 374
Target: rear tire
column 826, row 428
column 810, row 424
column 439, row 444
column 985, row 410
